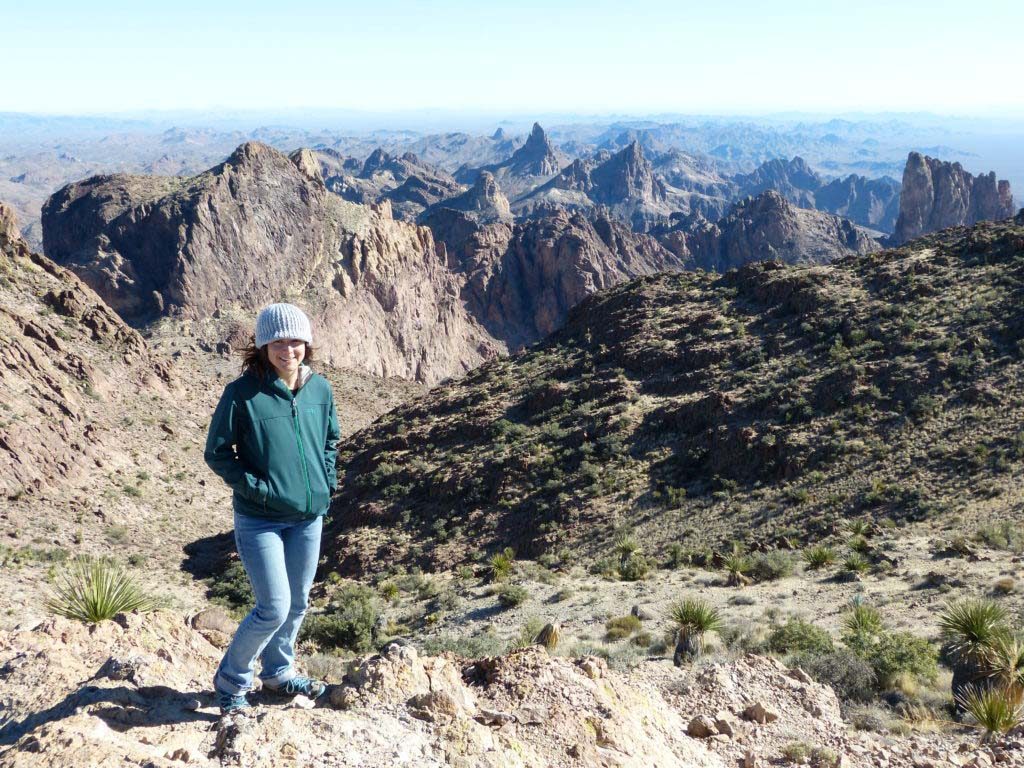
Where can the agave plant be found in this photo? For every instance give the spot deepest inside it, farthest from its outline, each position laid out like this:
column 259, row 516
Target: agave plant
column 96, row 590
column 692, row 618
column 971, row 631
column 997, row 709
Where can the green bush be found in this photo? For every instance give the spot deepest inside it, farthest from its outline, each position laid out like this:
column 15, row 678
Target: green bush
column 96, row 590
column 231, row 589
column 634, row 567
column 511, row 595
column 770, row 566
column 851, row 677
column 900, row 653
column 799, row 636
column 621, row 627
column 348, row 622
column 500, row 564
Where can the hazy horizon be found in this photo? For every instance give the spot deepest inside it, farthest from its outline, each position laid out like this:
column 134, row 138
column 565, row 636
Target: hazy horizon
column 594, row 57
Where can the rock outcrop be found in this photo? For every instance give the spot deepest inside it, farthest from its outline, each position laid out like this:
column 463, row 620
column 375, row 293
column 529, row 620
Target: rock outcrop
column 259, row 228
column 536, row 157
column 872, row 203
column 67, row 357
column 408, row 183
column 484, row 201
column 626, row 176
column 938, row 194
column 769, row 227
column 549, row 264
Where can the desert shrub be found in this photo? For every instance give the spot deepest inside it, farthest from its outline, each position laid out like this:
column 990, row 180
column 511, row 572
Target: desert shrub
column 819, row 556
column 851, row 676
column 856, row 563
column 737, row 566
column 769, row 566
column 634, row 567
column 799, row 636
column 895, row 654
column 862, row 621
column 389, row 591
column 231, row 589
column 95, row 590
column 511, row 595
column 348, row 622
column 1003, row 535
column 622, row 627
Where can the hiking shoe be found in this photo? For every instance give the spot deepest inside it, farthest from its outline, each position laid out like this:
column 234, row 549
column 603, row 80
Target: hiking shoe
column 298, row 685
column 233, row 703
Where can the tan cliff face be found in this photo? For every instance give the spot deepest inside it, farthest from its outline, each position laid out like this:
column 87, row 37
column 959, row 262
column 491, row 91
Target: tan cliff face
column 260, row 228
column 937, row 194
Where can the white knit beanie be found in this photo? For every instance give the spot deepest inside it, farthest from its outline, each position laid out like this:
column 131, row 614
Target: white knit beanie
column 282, row 321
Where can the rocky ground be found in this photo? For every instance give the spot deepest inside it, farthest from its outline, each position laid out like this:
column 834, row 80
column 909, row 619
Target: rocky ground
column 134, row 692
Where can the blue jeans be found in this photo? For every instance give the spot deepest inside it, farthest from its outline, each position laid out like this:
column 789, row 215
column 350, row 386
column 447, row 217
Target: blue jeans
column 280, row 560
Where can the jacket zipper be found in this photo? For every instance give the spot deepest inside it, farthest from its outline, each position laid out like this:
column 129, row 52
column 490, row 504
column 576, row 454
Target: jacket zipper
column 302, row 455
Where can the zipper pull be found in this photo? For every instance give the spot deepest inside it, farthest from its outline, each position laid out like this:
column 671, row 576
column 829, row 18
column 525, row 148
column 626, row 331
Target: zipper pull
column 295, row 408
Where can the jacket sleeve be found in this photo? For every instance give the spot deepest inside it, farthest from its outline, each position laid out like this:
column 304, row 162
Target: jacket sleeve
column 221, row 455
column 331, row 446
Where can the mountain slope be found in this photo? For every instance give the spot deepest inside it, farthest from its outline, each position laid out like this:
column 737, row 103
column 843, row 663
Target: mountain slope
column 767, row 404
column 262, row 227
column 67, row 359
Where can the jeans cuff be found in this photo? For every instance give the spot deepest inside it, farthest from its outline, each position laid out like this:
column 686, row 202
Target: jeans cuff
column 279, row 679
column 220, row 685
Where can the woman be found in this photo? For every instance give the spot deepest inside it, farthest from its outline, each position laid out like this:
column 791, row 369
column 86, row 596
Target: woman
column 273, row 439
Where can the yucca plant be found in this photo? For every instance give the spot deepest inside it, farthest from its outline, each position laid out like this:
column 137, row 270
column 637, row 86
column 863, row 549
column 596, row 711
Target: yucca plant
column 858, row 527
column 996, row 709
column 856, row 563
column 692, row 618
column 500, row 564
column 96, row 590
column 1006, row 662
column 626, row 544
column 737, row 565
column 819, row 556
column 971, row 630
column 863, row 621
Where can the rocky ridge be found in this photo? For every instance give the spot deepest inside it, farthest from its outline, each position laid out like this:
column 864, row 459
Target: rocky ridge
column 937, row 194
column 708, row 399
column 379, row 294
column 768, row 227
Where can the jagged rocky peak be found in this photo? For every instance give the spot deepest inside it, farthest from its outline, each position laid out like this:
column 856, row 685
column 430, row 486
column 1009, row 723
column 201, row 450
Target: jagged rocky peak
column 536, row 157
column 770, row 227
column 484, row 200
column 375, row 162
column 626, row 175
column 575, row 176
column 938, row 194
column 499, row 135
column 307, row 162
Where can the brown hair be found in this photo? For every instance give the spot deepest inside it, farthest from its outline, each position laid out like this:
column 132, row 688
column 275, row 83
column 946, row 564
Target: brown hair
column 256, row 362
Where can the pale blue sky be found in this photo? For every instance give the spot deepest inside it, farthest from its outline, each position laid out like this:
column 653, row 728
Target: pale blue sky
column 91, row 57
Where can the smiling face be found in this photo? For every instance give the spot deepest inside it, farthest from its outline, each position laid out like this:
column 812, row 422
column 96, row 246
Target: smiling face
column 286, row 355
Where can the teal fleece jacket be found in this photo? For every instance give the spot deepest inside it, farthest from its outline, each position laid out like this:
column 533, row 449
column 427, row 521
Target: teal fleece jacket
column 276, row 450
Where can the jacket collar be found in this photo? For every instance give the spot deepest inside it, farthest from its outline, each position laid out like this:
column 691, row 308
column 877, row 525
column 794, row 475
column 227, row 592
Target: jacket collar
column 274, row 381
